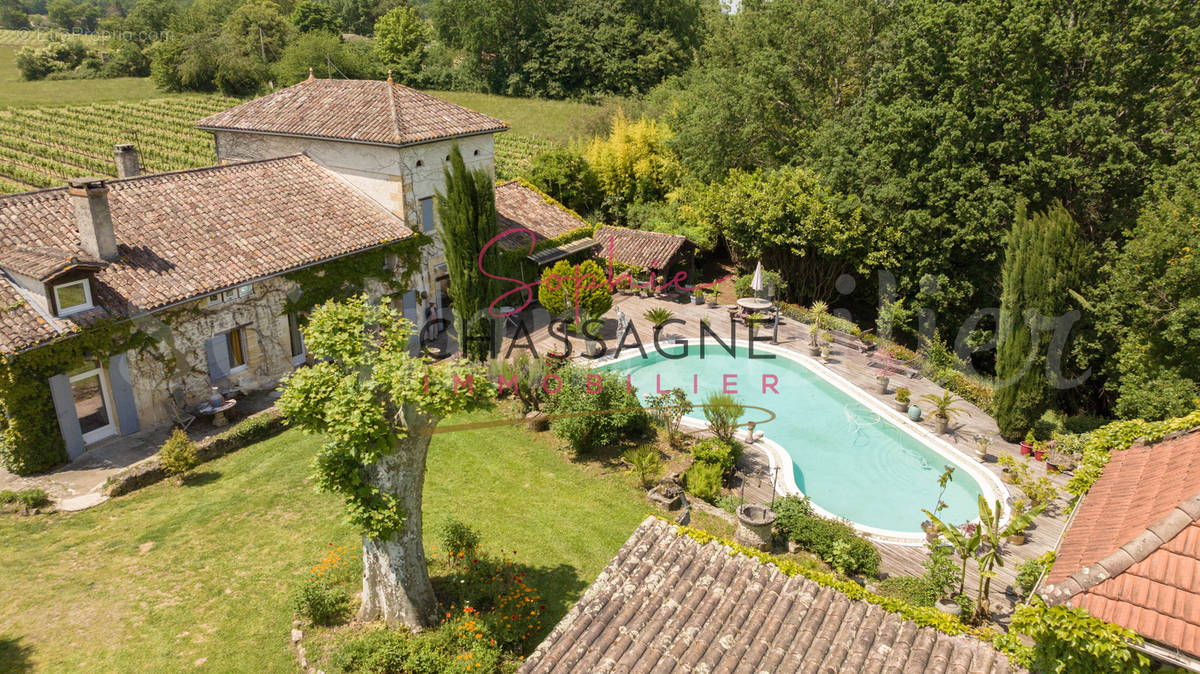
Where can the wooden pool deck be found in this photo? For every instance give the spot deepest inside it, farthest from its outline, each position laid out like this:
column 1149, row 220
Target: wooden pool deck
column 757, row 486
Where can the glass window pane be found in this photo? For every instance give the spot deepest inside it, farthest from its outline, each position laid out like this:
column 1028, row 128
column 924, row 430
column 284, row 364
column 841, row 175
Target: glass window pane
column 69, row 296
column 89, row 403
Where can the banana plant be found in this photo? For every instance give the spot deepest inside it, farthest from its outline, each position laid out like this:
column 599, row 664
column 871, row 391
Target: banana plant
column 964, row 544
column 994, row 535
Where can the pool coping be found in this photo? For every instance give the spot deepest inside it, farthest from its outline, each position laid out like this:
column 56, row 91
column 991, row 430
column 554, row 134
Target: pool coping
column 778, row 457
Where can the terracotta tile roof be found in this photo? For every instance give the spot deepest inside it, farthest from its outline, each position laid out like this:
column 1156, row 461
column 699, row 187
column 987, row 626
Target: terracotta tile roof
column 646, row 249
column 365, row 111
column 666, row 603
column 518, row 205
column 1132, row 553
column 44, row 263
column 185, row 234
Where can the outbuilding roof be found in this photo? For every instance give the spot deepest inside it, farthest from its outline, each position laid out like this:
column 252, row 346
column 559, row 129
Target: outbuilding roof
column 638, row 247
column 1132, row 553
column 666, row 603
column 186, row 234
column 519, row 205
column 363, row 111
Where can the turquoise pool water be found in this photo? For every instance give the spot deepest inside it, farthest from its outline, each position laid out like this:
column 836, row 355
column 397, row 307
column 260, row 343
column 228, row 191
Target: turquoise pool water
column 848, row 459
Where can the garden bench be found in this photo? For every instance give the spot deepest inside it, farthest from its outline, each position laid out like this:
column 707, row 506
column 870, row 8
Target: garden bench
column 857, row 343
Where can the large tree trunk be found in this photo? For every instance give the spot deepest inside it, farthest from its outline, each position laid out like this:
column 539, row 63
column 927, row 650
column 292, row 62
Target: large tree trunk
column 396, row 585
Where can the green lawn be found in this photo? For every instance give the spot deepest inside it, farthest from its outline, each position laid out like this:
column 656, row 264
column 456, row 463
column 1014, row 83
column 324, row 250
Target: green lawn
column 17, row 92
column 168, row 576
column 557, row 121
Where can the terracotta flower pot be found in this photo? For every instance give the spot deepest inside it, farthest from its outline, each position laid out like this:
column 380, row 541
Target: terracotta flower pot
column 1026, row 448
column 1039, row 455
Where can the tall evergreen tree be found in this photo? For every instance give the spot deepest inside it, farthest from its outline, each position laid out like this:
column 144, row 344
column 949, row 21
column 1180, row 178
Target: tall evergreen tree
column 1044, row 260
column 467, row 221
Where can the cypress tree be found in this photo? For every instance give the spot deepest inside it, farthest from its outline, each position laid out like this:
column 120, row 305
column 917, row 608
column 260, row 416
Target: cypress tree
column 467, row 221
column 1044, row 259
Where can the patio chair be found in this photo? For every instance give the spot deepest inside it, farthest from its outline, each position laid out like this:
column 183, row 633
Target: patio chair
column 179, row 413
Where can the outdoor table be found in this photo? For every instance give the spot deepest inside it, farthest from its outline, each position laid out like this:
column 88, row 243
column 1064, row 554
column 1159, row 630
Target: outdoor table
column 217, row 412
column 754, row 304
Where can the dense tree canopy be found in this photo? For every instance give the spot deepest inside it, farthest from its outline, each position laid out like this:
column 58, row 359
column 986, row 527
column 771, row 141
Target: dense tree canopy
column 973, row 105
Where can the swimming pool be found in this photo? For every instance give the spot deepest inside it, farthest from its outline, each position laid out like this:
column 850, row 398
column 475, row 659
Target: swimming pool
column 852, row 456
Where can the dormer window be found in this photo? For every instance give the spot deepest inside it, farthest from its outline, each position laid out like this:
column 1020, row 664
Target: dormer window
column 73, row 297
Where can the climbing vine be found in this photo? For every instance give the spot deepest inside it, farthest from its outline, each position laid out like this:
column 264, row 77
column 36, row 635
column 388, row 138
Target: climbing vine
column 32, row 441
column 1118, row 436
column 347, row 275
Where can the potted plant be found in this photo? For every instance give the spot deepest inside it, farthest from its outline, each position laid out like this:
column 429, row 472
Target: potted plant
column 943, row 409
column 1027, row 443
column 712, row 298
column 1018, row 508
column 825, row 353
column 931, row 531
column 697, row 296
column 882, row 377
column 1039, row 451
column 982, row 442
column 903, row 396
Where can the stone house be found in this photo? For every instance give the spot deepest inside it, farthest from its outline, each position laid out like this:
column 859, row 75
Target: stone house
column 201, row 264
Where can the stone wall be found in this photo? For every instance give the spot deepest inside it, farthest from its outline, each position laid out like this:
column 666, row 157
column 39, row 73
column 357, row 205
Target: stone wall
column 180, row 360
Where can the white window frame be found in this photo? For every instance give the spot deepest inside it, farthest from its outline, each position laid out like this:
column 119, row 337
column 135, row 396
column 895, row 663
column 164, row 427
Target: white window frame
column 87, row 294
column 245, row 352
column 105, row 431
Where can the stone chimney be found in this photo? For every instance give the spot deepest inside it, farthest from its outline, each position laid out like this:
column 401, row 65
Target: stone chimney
column 128, row 165
column 89, row 199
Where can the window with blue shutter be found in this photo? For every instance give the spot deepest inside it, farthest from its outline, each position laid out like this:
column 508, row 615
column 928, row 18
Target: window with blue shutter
column 427, row 223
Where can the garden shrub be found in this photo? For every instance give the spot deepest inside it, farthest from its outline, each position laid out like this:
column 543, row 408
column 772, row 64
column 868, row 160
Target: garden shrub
column 1031, row 570
column 915, row 590
column 459, row 539
column 178, row 454
column 722, row 411
column 703, row 480
column 319, row 602
column 33, row 498
column 722, row 453
column 254, row 429
column 392, row 651
column 8, row 496
column 822, row 536
column 615, row 412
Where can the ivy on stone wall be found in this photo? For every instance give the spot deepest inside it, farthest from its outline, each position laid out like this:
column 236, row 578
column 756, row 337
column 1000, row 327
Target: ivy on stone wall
column 347, row 275
column 32, row 441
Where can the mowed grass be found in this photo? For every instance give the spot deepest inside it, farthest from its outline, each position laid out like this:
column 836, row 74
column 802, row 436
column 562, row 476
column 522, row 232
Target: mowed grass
column 17, row 92
column 557, row 121
column 173, row 578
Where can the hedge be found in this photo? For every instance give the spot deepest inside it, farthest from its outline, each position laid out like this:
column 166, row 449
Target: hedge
column 254, row 428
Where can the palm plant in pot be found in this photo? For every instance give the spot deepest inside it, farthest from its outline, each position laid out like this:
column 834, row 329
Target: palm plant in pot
column 982, row 442
column 943, row 409
column 712, row 298
column 697, row 295
column 903, row 397
column 658, row 317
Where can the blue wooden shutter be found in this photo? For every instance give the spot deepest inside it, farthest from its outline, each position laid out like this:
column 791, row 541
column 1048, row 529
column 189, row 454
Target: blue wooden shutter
column 122, row 394
column 217, row 350
column 410, row 312
column 64, row 408
column 427, row 215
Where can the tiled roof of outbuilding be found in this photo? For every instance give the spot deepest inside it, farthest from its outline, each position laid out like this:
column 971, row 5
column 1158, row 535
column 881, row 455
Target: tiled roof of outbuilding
column 640, row 247
column 518, row 205
column 185, row 234
column 1132, row 554
column 364, row 111
column 666, row 603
